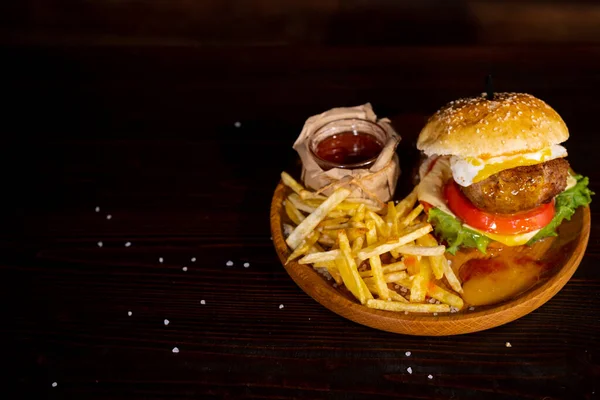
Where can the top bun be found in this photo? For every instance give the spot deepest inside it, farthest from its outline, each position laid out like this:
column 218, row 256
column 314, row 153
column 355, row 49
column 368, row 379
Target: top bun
column 511, row 123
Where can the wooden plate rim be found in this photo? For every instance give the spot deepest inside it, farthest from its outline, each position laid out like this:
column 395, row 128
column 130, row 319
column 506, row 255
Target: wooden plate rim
column 313, row 284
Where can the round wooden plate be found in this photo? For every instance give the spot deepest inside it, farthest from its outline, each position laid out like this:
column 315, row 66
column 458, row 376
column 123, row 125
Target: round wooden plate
column 428, row 325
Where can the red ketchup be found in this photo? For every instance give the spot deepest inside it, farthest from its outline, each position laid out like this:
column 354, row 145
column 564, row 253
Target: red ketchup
column 349, row 148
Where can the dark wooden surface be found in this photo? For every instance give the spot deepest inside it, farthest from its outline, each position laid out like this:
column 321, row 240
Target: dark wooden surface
column 147, row 134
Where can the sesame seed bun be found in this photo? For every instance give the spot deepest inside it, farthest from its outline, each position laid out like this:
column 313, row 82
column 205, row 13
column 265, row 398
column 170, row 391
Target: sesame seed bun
column 511, row 123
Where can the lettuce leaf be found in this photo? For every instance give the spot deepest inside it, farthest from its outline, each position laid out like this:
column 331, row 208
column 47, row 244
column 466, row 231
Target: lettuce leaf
column 455, row 233
column 565, row 205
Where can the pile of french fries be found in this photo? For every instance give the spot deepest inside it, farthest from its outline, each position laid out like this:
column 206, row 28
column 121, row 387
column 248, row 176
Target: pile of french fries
column 385, row 256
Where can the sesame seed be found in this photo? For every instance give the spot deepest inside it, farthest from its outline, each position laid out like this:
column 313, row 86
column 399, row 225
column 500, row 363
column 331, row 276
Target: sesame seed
column 97, row 209
column 229, row 263
column 237, row 124
column 281, row 306
column 166, row 321
column 160, row 260
column 246, row 265
column 108, row 216
column 129, row 313
column 508, row 344
column 127, row 244
column 409, row 370
column 193, row 259
column 202, row 302
column 408, row 353
column 175, row 350
column 54, row 384
column 429, row 376
column 100, row 244
column 184, row 269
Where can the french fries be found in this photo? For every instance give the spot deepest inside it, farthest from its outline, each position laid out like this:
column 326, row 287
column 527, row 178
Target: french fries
column 385, row 256
column 349, row 271
column 410, row 307
column 418, row 289
column 375, row 250
column 375, row 262
column 310, row 223
column 437, row 261
column 421, row 250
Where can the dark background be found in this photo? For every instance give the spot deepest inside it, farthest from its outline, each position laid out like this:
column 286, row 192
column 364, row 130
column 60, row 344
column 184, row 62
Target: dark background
column 130, row 106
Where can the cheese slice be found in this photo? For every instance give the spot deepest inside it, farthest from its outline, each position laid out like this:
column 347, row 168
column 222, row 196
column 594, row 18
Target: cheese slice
column 430, row 190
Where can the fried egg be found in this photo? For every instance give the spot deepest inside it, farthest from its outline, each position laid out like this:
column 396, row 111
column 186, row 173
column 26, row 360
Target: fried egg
column 467, row 171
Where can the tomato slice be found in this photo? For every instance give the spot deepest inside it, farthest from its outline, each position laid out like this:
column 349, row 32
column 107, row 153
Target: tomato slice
column 426, row 206
column 505, row 224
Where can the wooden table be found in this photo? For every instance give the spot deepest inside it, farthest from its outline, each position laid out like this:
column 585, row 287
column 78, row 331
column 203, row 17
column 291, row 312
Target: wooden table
column 151, row 137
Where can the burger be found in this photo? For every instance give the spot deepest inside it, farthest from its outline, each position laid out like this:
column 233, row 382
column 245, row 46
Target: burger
column 495, row 171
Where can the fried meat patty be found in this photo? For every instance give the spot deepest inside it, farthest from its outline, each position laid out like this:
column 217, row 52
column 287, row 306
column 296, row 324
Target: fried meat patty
column 519, row 189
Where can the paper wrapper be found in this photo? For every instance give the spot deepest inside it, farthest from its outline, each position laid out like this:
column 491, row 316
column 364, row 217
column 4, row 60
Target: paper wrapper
column 377, row 183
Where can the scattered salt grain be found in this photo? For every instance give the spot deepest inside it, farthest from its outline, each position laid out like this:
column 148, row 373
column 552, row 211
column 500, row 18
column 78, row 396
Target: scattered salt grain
column 108, row 216
column 280, row 306
column 100, row 244
column 408, row 353
column 193, row 259
column 229, row 263
column 246, row 265
column 471, row 308
column 238, row 124
column 405, row 312
column 453, row 309
column 435, row 314
column 127, row 244
column 184, row 269
column 335, row 285
column 438, row 302
column 54, row 384
column 97, row 209
column 409, row 370
column 431, row 301
column 129, row 313
column 166, row 321
column 175, row 350
column 202, row 302
column 429, row 376
column 160, row 260
column 508, row 344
